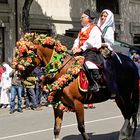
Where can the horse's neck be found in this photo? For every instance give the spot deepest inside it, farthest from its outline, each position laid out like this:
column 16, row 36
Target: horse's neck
column 67, row 63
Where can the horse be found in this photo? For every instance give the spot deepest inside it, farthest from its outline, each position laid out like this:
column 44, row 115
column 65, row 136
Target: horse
column 68, row 92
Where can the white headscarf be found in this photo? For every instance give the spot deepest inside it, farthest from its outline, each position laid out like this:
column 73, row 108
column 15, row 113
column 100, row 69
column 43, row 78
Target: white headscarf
column 8, row 68
column 6, row 79
column 109, row 20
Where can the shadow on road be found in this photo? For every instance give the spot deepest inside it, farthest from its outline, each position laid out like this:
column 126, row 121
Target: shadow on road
column 109, row 136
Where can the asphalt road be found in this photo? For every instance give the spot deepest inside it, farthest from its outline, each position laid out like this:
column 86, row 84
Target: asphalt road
column 102, row 123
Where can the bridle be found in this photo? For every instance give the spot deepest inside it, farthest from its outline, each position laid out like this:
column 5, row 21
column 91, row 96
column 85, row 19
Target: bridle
column 50, row 72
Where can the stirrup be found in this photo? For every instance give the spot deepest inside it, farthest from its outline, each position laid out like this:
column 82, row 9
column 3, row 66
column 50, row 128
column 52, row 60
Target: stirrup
column 93, row 89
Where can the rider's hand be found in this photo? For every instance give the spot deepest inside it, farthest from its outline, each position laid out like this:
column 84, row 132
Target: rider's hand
column 77, row 50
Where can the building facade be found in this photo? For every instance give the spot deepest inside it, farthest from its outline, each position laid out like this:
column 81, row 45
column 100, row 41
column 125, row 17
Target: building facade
column 62, row 17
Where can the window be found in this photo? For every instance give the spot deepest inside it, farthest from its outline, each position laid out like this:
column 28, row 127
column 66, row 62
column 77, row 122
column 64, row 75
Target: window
column 72, row 33
column 136, row 40
column 3, row 1
column 112, row 5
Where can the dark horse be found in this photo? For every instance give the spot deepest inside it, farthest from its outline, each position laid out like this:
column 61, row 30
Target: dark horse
column 73, row 98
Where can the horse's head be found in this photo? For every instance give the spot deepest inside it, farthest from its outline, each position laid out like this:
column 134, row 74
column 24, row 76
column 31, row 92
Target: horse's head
column 33, row 50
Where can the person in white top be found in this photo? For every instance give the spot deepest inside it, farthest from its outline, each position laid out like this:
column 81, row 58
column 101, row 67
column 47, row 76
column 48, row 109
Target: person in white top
column 6, row 85
column 107, row 25
column 88, row 44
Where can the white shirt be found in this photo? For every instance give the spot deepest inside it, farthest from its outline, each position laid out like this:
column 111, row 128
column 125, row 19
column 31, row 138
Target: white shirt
column 109, row 37
column 94, row 40
column 5, row 80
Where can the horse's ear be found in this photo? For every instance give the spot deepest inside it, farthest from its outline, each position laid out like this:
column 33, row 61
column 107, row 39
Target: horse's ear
column 39, row 53
column 41, row 57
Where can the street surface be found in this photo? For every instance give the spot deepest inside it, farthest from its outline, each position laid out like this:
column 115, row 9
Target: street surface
column 102, row 123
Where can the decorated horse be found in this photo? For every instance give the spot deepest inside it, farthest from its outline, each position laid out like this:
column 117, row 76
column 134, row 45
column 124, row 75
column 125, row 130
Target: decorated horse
column 62, row 75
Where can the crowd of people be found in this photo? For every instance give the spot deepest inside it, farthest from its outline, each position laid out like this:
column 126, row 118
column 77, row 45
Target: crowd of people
column 13, row 90
column 135, row 56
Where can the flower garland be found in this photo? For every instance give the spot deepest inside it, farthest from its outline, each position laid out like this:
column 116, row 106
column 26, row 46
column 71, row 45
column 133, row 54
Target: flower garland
column 25, row 52
column 63, row 81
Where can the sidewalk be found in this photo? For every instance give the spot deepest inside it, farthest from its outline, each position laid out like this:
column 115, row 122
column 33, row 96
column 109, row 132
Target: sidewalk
column 4, row 111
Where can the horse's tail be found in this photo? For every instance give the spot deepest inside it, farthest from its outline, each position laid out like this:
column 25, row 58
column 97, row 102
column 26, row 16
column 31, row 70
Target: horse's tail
column 135, row 108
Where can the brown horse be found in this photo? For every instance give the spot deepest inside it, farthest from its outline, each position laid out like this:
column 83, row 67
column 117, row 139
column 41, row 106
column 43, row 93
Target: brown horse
column 73, row 98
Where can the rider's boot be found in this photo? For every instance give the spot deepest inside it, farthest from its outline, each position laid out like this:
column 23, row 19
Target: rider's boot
column 94, row 79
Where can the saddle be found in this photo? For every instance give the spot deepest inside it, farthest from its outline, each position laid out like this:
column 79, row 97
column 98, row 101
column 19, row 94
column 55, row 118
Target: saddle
column 83, row 81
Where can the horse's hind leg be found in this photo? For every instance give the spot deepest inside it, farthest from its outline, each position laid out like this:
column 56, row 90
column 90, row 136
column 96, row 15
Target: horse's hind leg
column 79, row 109
column 125, row 106
column 58, row 114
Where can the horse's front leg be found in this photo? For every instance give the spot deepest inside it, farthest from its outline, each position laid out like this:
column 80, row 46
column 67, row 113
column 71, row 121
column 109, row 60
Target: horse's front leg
column 58, row 116
column 79, row 110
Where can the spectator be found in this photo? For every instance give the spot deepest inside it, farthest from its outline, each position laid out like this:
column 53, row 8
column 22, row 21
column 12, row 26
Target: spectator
column 29, row 89
column 1, row 71
column 16, row 89
column 6, row 85
column 37, row 72
column 136, row 58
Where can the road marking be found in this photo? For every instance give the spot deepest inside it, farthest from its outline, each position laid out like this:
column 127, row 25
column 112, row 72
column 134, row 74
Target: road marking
column 44, row 130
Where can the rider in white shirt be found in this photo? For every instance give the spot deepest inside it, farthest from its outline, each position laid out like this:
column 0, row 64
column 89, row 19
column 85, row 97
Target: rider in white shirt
column 88, row 44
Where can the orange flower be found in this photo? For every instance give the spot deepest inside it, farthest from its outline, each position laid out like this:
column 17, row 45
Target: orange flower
column 61, row 107
column 49, row 41
column 29, row 59
column 30, row 51
column 52, row 94
column 21, row 67
column 32, row 46
column 50, row 98
column 58, row 48
column 22, row 49
column 22, row 62
column 18, row 43
column 54, row 87
column 61, row 83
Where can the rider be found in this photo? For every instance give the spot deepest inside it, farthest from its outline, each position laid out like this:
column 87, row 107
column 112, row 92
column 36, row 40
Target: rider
column 87, row 44
column 107, row 25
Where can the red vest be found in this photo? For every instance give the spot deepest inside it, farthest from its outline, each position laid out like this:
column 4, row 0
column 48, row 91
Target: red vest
column 83, row 36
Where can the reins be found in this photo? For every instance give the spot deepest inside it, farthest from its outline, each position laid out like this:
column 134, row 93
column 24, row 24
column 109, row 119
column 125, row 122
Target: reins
column 53, row 71
column 65, row 63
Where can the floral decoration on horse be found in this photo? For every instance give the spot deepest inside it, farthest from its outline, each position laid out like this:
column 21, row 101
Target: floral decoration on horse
column 25, row 55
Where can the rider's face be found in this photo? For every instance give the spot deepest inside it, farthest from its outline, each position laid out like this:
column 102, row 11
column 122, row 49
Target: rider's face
column 103, row 17
column 84, row 20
